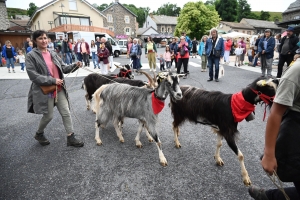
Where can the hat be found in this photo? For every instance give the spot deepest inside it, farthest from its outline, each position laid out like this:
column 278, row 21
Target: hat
column 268, row 30
column 290, row 29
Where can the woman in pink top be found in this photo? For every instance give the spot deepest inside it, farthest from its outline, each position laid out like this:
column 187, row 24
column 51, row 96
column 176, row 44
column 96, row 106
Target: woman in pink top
column 85, row 52
column 45, row 68
column 167, row 57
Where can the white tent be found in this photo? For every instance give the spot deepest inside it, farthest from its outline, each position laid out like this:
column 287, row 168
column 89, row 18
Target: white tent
column 236, row 35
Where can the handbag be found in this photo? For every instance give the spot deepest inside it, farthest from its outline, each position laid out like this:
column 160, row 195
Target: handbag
column 182, row 51
column 133, row 55
column 46, row 89
column 221, row 71
column 217, row 53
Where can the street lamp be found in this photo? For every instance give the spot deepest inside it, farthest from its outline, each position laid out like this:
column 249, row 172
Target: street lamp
column 62, row 11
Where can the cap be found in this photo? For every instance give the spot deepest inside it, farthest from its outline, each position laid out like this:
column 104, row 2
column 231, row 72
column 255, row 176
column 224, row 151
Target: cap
column 290, row 29
column 268, row 30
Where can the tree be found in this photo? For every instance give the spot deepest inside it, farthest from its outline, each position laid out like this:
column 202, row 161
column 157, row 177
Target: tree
column 210, row 2
column 168, row 9
column 244, row 10
column 196, row 19
column 252, row 15
column 102, row 6
column 227, row 9
column 32, row 8
column 140, row 12
column 264, row 15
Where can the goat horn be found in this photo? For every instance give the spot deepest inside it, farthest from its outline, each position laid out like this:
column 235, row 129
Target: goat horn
column 149, row 78
column 117, row 66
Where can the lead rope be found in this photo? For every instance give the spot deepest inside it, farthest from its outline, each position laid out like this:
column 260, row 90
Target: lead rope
column 278, row 183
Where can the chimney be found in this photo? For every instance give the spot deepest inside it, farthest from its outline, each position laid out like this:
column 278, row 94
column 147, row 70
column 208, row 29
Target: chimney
column 276, row 21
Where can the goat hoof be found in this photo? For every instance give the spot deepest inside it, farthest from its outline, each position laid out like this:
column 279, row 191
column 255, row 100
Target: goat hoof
column 94, row 112
column 178, row 146
column 99, row 143
column 150, row 140
column 88, row 108
column 247, row 181
column 164, row 163
column 122, row 140
column 139, row 145
column 219, row 161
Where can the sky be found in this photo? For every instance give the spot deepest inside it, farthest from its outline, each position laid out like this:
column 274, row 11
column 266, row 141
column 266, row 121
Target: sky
column 256, row 5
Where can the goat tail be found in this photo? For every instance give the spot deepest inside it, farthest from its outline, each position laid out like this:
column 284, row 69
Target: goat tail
column 96, row 97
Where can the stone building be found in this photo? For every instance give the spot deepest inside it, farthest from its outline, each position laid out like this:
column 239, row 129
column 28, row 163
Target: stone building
column 260, row 25
column 120, row 20
column 4, row 22
column 291, row 17
column 161, row 23
column 236, row 27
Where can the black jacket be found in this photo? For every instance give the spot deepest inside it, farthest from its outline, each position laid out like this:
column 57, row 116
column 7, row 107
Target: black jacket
column 109, row 47
column 292, row 44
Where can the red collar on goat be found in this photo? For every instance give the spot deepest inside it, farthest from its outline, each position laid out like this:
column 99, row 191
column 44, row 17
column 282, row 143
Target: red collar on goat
column 123, row 74
column 265, row 99
column 240, row 107
column 157, row 104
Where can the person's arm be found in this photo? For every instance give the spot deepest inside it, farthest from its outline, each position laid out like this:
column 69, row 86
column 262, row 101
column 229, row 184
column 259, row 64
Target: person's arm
column 269, row 162
column 145, row 50
column 295, row 47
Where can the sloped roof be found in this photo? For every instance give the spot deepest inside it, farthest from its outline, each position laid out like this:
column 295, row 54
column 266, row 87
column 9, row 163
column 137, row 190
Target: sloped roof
column 54, row 1
column 295, row 6
column 260, row 23
column 19, row 22
column 238, row 25
column 121, row 6
column 141, row 31
column 163, row 19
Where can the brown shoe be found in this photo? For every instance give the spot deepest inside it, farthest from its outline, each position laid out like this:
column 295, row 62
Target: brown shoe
column 41, row 139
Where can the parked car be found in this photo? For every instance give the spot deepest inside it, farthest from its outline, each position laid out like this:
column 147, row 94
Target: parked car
column 123, row 46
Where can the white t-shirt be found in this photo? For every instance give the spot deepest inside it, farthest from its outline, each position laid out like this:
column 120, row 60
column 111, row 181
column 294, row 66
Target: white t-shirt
column 21, row 58
column 239, row 51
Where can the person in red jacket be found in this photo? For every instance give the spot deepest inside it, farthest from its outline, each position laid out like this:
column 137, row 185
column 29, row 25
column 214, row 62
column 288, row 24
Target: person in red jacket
column 227, row 44
column 183, row 56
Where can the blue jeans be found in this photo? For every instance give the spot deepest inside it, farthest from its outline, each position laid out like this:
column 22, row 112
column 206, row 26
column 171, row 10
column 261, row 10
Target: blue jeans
column 250, row 58
column 79, row 57
column 22, row 66
column 95, row 59
column 136, row 63
column 68, row 58
column 212, row 60
column 10, row 61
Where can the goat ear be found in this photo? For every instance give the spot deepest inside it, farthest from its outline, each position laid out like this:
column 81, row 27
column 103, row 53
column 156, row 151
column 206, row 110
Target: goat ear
column 270, row 83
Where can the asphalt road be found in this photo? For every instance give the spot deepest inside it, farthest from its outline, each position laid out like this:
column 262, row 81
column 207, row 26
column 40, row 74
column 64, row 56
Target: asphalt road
column 122, row 171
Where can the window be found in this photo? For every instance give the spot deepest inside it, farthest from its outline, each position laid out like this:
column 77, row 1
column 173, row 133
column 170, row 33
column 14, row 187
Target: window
column 162, row 29
column 168, row 30
column 112, row 42
column 72, row 5
column 249, row 32
column 84, row 21
column 297, row 17
column 111, row 28
column 127, row 31
column 65, row 20
column 75, row 20
column 127, row 20
column 109, row 18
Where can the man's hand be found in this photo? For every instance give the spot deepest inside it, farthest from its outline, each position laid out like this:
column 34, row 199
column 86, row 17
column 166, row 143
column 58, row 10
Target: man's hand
column 269, row 164
column 79, row 64
column 263, row 52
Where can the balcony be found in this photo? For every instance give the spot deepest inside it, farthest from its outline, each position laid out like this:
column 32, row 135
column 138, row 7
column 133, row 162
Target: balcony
column 73, row 27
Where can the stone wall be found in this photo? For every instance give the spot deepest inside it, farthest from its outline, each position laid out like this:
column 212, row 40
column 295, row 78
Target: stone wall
column 4, row 23
column 118, row 13
column 163, row 28
column 290, row 16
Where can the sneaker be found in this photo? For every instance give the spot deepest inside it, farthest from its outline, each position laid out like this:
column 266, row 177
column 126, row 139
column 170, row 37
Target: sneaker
column 257, row 193
column 154, row 70
column 72, row 141
column 202, row 70
column 235, row 65
column 209, row 80
column 8, row 71
column 41, row 139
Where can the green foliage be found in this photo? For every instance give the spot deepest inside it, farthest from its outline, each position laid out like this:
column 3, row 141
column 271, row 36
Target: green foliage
column 168, row 10
column 273, row 15
column 243, row 10
column 264, row 15
column 196, row 19
column 252, row 15
column 15, row 11
column 140, row 12
column 227, row 9
column 102, row 6
column 32, row 8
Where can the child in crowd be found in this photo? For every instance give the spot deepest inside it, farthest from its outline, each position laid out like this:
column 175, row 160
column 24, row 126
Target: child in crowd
column 30, row 47
column 238, row 52
column 161, row 62
column 21, row 58
column 250, row 53
column 167, row 57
